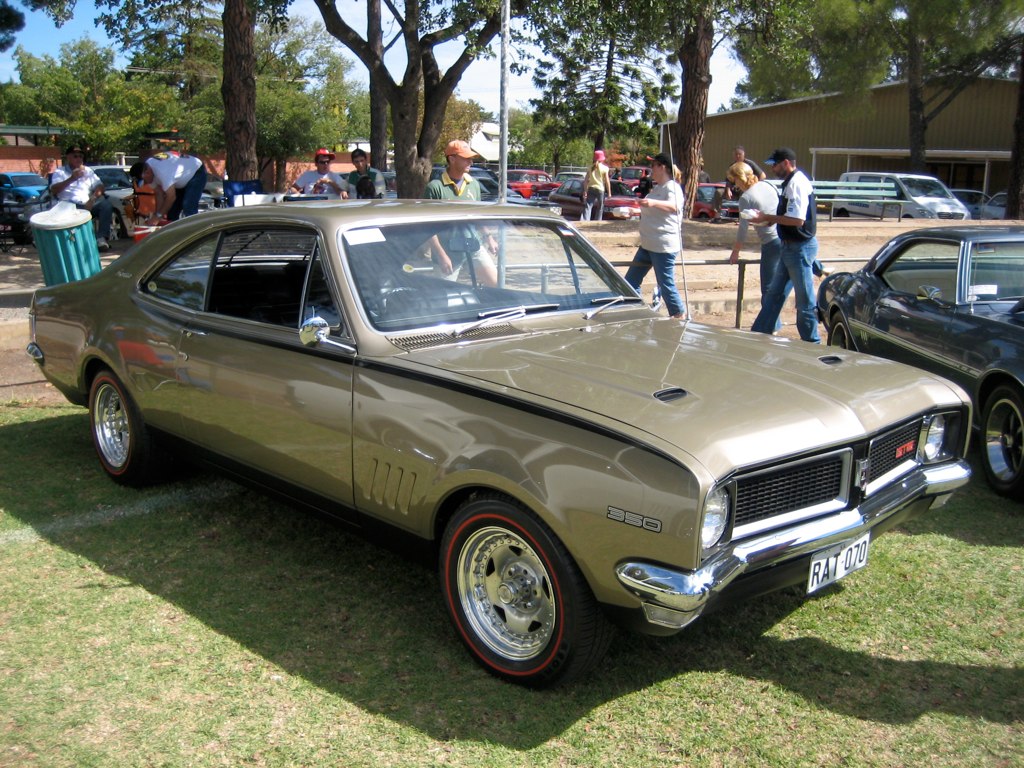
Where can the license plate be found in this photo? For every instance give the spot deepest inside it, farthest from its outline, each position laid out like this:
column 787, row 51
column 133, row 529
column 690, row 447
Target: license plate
column 832, row 564
column 5, row 227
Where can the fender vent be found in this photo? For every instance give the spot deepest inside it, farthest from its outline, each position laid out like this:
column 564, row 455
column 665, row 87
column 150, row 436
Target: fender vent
column 670, row 395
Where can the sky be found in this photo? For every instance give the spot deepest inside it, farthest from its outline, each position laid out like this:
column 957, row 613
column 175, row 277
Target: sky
column 480, row 83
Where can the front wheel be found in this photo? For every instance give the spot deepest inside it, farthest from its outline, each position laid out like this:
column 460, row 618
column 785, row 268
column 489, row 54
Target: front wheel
column 1002, row 448
column 839, row 333
column 119, row 435
column 519, row 603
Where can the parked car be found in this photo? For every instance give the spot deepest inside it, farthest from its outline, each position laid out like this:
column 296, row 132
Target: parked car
column 972, row 199
column 621, row 204
column 565, row 455
column 21, row 196
column 705, row 199
column 557, row 180
column 950, row 301
column 118, row 187
column 630, row 175
column 994, row 207
column 527, row 182
column 489, row 193
column 924, row 197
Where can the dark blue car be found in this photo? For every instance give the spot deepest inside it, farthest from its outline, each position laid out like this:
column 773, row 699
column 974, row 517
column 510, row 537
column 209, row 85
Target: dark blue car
column 949, row 300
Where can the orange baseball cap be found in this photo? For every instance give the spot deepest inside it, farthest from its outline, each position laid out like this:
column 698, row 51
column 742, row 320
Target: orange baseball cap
column 460, row 148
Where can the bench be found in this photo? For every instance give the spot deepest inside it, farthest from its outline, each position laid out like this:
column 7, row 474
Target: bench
column 835, row 194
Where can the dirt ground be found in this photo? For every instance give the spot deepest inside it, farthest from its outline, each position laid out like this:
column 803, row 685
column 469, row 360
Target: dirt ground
column 710, row 285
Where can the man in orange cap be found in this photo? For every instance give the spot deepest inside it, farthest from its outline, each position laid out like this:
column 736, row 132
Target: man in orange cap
column 321, row 180
column 463, row 246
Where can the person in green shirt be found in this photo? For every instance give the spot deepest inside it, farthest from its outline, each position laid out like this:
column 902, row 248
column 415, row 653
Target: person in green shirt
column 462, row 245
column 363, row 169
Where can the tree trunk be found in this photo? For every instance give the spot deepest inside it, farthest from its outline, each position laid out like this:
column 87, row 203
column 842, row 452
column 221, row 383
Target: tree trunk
column 687, row 133
column 1015, row 189
column 915, row 94
column 239, row 90
column 378, row 101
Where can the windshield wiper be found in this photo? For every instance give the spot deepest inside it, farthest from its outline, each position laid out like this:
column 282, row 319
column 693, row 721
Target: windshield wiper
column 493, row 316
column 609, row 301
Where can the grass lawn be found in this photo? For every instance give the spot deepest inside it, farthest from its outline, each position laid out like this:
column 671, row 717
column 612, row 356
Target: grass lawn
column 202, row 624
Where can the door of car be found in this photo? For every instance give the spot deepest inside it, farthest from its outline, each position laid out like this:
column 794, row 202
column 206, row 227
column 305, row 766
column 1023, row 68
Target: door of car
column 910, row 319
column 253, row 393
column 568, row 196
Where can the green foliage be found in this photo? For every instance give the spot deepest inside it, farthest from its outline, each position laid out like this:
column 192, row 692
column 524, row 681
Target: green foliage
column 85, row 94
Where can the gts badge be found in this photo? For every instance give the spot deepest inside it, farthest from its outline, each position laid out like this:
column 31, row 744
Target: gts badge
column 631, row 518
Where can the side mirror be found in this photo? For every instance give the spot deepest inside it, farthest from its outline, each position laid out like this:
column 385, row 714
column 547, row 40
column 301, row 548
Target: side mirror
column 316, row 331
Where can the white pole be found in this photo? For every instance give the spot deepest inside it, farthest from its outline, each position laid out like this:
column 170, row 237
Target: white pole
column 503, row 104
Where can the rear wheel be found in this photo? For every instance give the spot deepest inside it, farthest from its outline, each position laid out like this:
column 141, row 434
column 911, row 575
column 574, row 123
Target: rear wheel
column 120, row 436
column 1003, row 441
column 839, row 333
column 519, row 603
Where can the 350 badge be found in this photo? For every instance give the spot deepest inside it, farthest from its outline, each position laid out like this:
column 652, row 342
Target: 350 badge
column 631, row 518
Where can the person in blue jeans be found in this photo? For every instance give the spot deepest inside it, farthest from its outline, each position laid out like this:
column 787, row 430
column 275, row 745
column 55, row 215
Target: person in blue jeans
column 796, row 222
column 178, row 182
column 661, row 219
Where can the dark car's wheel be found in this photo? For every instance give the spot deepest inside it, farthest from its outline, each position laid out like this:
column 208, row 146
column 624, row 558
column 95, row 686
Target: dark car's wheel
column 1003, row 441
column 120, row 436
column 839, row 333
column 519, row 602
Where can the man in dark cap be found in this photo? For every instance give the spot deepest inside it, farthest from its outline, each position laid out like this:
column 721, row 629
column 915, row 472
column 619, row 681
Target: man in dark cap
column 797, row 226
column 77, row 183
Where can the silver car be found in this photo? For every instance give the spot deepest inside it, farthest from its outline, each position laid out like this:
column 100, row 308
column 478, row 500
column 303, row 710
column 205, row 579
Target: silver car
column 476, row 379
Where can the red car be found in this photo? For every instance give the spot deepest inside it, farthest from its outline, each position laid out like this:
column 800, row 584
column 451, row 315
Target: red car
column 526, row 182
column 704, row 204
column 560, row 178
column 630, row 175
column 621, row 204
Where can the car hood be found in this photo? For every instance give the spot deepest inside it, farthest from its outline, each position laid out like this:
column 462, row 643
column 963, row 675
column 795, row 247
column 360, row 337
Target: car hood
column 27, row 192
column 742, row 398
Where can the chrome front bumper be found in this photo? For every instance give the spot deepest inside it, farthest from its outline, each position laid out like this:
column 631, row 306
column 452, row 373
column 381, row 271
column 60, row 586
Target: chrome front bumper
column 674, row 598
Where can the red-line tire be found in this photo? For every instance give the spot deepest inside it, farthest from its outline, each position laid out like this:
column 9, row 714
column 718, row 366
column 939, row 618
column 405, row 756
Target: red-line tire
column 119, row 434
column 518, row 601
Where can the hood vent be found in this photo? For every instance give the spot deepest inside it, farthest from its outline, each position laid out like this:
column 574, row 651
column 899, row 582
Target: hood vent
column 670, row 395
column 830, row 359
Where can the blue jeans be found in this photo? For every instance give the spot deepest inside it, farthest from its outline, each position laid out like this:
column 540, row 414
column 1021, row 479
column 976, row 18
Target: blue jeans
column 664, row 272
column 798, row 257
column 186, row 199
column 771, row 258
column 595, row 199
column 103, row 211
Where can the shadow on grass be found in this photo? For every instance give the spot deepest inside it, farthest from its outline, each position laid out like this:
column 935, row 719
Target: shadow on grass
column 369, row 627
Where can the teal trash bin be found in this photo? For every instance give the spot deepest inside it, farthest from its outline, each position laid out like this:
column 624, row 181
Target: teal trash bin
column 66, row 243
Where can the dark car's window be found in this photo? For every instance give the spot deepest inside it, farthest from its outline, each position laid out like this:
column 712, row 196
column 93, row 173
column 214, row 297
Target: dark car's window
column 620, row 188
column 997, row 272
column 705, row 194
column 536, row 266
column 183, row 280
column 925, row 265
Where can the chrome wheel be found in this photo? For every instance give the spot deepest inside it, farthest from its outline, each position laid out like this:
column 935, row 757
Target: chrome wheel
column 110, row 426
column 1003, row 446
column 506, row 593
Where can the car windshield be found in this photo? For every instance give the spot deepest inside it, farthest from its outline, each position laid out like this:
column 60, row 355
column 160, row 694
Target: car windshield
column 27, row 180
column 997, row 271
column 421, row 275
column 926, row 187
column 114, row 178
column 619, row 188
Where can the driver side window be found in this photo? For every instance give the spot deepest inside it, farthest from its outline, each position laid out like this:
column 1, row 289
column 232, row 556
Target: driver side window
column 925, row 266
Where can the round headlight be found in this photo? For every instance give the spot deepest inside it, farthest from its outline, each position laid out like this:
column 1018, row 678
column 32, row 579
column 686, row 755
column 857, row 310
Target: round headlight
column 935, row 438
column 716, row 517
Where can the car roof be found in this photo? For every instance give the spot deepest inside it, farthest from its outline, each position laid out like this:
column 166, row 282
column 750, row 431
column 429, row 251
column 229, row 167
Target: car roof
column 966, row 233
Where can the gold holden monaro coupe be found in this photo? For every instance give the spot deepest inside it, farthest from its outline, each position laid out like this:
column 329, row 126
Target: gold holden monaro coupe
column 478, row 378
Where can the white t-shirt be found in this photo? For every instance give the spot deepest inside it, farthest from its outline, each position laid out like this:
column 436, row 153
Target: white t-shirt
column 310, row 182
column 171, row 171
column 78, row 191
column 659, row 230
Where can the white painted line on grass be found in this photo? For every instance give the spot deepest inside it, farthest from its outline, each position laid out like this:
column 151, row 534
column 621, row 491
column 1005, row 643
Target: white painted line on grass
column 215, row 490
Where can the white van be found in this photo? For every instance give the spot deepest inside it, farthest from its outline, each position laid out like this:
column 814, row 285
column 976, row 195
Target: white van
column 924, row 197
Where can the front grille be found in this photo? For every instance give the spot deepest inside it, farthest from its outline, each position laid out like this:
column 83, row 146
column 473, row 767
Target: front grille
column 780, row 495
column 949, row 215
column 890, row 450
column 791, row 488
